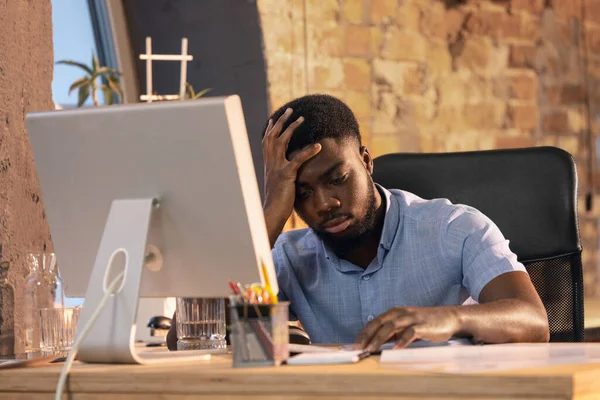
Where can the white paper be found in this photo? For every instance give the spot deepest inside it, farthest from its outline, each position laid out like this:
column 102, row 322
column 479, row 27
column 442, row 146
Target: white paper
column 328, row 357
column 473, row 359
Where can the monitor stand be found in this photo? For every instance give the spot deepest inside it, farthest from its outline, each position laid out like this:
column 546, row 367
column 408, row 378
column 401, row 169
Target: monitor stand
column 112, row 336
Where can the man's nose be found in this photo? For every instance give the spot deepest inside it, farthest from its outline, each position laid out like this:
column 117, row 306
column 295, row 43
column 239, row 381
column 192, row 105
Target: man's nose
column 325, row 202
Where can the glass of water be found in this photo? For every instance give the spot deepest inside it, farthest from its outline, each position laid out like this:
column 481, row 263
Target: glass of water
column 58, row 327
column 201, row 324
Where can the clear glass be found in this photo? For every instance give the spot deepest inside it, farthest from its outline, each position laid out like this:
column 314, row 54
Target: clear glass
column 43, row 289
column 201, row 324
column 58, row 327
column 259, row 334
column 7, row 302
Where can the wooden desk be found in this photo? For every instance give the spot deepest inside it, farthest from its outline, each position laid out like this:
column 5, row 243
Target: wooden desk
column 216, row 379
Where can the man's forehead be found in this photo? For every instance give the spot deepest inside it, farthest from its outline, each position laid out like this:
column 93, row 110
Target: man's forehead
column 329, row 159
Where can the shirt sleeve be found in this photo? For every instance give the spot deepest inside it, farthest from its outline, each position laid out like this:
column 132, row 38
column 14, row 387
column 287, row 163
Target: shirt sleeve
column 474, row 242
column 282, row 269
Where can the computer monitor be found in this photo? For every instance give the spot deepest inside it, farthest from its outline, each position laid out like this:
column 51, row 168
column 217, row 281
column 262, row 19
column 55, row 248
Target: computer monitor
column 175, row 176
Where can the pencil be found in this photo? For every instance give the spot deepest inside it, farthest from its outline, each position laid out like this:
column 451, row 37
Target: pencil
column 268, row 288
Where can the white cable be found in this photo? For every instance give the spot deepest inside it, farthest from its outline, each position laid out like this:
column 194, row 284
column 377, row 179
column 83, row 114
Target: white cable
column 73, row 353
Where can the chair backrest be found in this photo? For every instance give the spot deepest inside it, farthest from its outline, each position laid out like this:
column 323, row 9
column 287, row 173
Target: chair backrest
column 531, row 194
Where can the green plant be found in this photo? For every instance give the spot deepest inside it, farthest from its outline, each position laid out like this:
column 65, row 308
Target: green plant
column 191, row 94
column 88, row 84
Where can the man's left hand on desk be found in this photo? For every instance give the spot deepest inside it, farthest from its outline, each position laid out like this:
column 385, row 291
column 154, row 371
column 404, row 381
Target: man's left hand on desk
column 407, row 324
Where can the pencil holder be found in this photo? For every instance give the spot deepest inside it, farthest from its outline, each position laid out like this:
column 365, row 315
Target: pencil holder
column 259, row 334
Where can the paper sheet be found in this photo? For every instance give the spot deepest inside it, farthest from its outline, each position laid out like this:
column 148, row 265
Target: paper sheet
column 473, row 359
column 328, row 357
column 304, row 348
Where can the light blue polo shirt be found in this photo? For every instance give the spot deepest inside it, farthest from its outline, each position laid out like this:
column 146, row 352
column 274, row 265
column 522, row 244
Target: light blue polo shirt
column 431, row 253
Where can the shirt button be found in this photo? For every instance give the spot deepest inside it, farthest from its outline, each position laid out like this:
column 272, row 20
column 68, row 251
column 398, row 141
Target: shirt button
column 370, row 318
column 366, row 277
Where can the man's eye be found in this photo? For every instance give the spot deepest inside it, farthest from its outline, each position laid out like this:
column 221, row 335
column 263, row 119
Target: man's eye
column 339, row 180
column 301, row 195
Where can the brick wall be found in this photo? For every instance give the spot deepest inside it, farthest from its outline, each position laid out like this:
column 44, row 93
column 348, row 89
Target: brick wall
column 26, row 60
column 436, row 76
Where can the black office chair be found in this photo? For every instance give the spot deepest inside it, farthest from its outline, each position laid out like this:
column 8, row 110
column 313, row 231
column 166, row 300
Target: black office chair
column 531, row 194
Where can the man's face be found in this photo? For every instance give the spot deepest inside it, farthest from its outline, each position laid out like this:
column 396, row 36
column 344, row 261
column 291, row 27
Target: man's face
column 335, row 194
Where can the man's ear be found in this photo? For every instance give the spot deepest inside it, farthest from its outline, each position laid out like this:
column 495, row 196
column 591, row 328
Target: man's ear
column 366, row 159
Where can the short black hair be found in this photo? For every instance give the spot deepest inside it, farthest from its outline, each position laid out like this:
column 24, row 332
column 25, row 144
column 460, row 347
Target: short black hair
column 325, row 116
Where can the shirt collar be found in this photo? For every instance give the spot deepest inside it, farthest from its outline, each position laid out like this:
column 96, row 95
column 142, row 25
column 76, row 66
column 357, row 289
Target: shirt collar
column 391, row 219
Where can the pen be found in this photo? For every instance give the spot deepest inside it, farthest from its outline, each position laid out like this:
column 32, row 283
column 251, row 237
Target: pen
column 237, row 292
column 233, row 287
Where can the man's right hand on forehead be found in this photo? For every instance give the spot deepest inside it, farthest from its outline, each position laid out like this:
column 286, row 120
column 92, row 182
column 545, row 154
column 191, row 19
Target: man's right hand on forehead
column 280, row 173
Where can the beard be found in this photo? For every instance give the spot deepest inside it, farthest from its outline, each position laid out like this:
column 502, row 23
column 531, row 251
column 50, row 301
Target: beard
column 360, row 231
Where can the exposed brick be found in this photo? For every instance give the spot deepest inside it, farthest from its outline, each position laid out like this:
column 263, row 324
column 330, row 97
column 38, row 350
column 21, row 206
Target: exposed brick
column 449, row 118
column 577, row 118
column 376, row 41
column 391, row 113
column 592, row 10
column 386, row 111
column 594, row 68
column 353, row 11
column 433, row 24
column 278, row 96
column 273, row 7
column 514, row 142
column 482, row 56
column 466, row 141
column 452, row 91
column 383, row 10
column 521, row 86
column 384, row 144
column 328, row 74
column 299, row 77
column 414, row 82
column 567, row 8
column 532, row 6
column 439, row 61
column 365, row 126
column 325, row 39
column 485, row 115
column 393, row 75
column 498, row 24
column 555, row 122
column 569, row 144
column 552, row 93
column 588, row 228
column 547, row 141
column 358, row 39
column 359, row 102
column 357, row 73
column 403, row 45
column 387, row 74
column 522, row 116
column 408, row 16
column 279, row 69
column 277, row 36
column 593, row 38
column 424, row 112
column 320, row 10
column 572, row 94
column 477, row 89
column 454, row 21
column 521, row 56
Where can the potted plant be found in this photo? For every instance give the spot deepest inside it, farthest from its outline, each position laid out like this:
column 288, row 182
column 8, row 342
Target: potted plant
column 89, row 84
